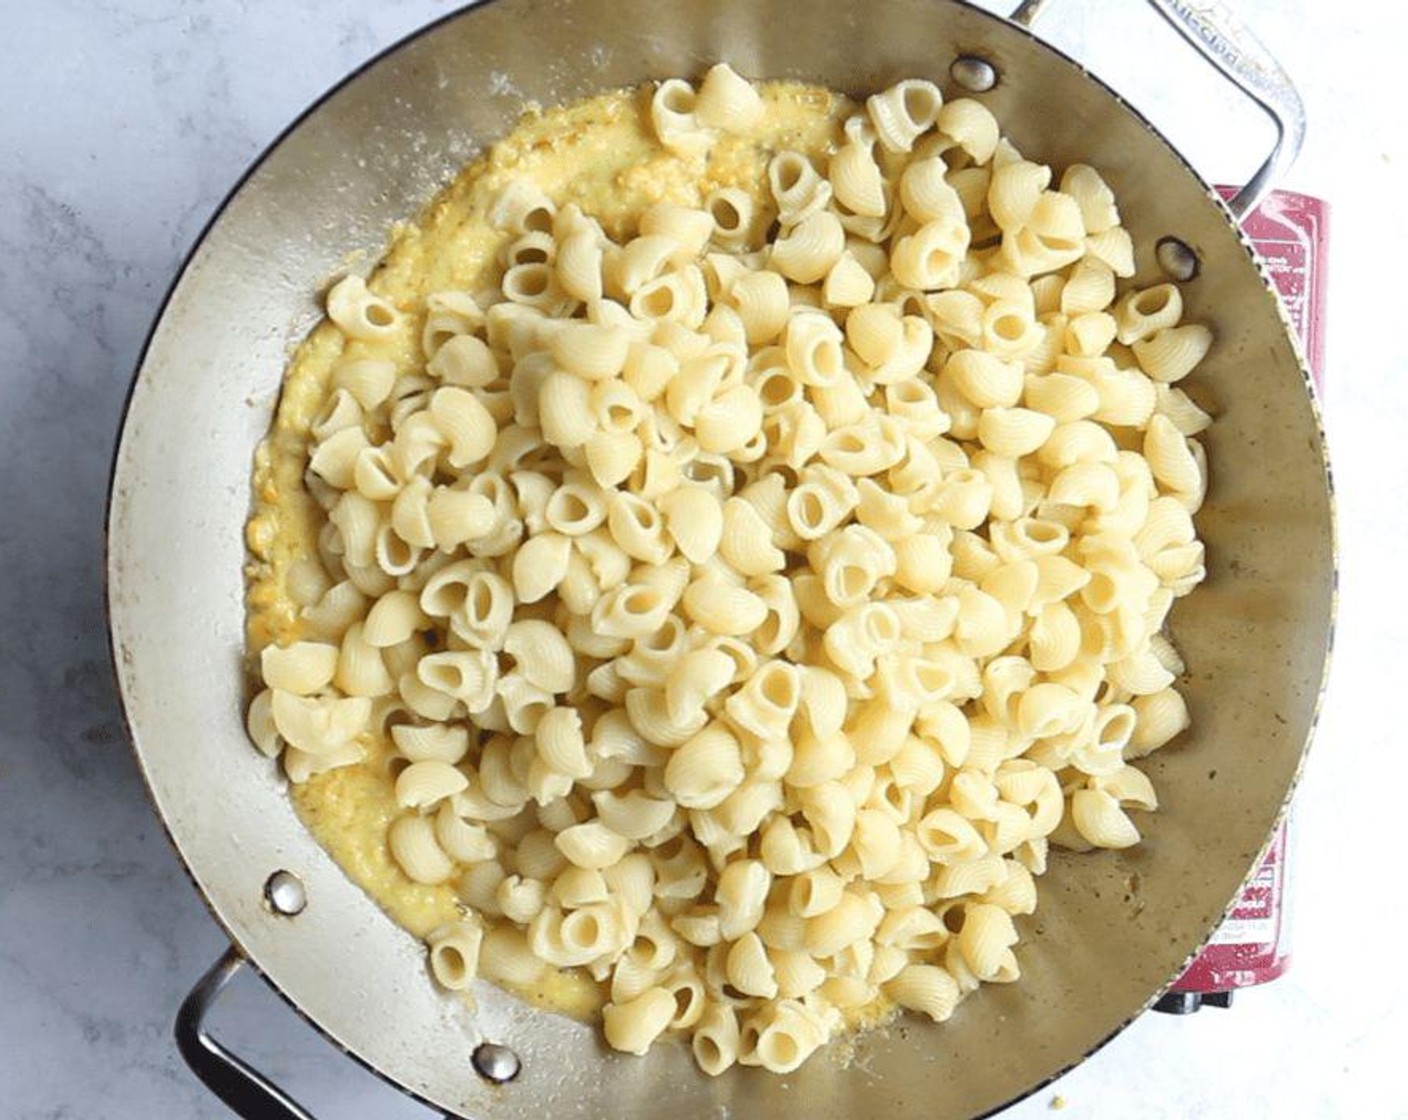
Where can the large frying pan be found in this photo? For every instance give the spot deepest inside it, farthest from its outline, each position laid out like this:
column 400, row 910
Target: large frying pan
column 1112, row 929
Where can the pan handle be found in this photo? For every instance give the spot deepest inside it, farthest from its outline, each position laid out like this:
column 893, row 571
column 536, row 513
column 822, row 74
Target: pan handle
column 1221, row 38
column 243, row 1088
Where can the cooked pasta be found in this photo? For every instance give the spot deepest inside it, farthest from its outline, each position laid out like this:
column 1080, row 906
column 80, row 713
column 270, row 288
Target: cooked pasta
column 711, row 590
column 454, row 954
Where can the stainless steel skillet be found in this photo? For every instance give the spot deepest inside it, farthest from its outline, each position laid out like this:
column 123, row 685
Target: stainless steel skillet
column 1111, row 930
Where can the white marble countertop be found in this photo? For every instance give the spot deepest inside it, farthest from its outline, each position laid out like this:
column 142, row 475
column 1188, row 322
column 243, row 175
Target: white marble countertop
column 123, row 124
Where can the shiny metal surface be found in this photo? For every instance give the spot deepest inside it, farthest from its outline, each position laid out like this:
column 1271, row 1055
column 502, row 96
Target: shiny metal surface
column 1243, row 59
column 1111, row 929
column 285, row 894
column 245, row 1090
column 495, row 1063
column 1229, row 46
column 1028, row 12
column 1177, row 259
column 972, row 74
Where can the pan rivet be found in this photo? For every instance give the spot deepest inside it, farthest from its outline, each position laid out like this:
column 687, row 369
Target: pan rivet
column 1177, row 259
column 976, row 75
column 495, row 1063
column 285, row 894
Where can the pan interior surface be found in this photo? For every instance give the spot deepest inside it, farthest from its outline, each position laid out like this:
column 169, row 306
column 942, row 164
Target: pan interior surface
column 1110, row 929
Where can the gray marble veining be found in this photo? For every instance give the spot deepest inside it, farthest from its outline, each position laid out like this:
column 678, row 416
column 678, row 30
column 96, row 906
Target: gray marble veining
column 123, row 122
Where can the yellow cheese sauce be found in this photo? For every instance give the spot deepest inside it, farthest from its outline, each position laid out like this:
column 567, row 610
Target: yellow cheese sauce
column 602, row 155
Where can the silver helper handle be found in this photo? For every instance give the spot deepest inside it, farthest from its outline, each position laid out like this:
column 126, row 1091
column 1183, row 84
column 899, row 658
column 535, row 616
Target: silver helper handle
column 243, row 1089
column 1222, row 39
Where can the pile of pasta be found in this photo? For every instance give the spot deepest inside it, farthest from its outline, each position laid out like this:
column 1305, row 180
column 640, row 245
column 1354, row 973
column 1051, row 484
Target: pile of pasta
column 749, row 605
